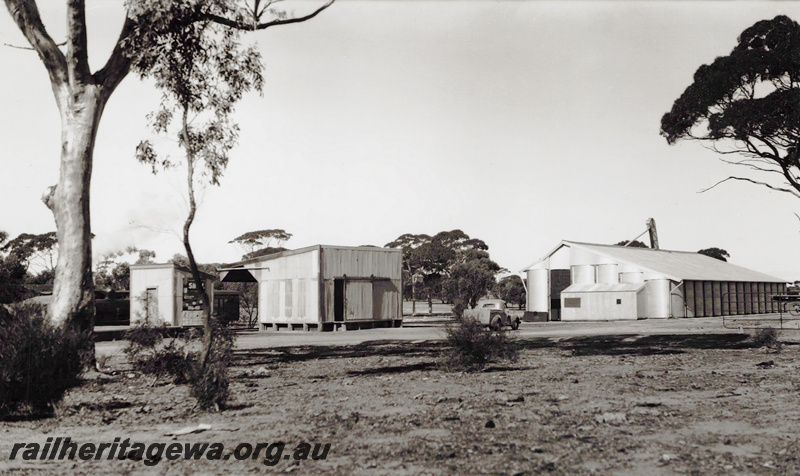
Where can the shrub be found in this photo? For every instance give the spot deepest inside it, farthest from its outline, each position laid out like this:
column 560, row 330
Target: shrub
column 39, row 361
column 767, row 337
column 472, row 346
column 149, row 354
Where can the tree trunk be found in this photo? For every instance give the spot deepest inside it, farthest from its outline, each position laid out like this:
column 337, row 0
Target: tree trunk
column 208, row 334
column 430, row 301
column 73, row 291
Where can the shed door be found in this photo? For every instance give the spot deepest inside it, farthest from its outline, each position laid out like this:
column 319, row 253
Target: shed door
column 358, row 300
column 151, row 304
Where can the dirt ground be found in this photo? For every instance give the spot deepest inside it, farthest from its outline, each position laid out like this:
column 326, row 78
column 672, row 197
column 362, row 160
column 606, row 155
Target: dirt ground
column 698, row 403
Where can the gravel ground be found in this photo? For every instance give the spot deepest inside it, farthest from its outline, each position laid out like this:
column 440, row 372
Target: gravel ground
column 696, row 400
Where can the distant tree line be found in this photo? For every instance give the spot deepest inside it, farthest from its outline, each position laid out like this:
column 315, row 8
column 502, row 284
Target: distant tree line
column 26, row 263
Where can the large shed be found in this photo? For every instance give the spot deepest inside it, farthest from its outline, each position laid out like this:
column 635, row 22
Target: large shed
column 325, row 287
column 586, row 281
column 167, row 292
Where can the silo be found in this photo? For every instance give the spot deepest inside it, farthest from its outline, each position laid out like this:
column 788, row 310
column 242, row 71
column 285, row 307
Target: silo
column 538, row 290
column 608, row 273
column 583, row 274
column 658, row 298
column 631, row 277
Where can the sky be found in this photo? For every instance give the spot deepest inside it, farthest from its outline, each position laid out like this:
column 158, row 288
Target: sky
column 522, row 123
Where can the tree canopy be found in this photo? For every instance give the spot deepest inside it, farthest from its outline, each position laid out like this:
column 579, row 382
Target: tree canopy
column 511, row 289
column 114, row 269
column 259, row 243
column 632, row 244
column 748, row 104
column 451, row 264
column 470, row 279
column 717, row 253
column 34, row 251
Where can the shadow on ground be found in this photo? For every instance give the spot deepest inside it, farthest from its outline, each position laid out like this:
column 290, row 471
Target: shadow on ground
column 648, row 345
column 575, row 346
column 383, row 348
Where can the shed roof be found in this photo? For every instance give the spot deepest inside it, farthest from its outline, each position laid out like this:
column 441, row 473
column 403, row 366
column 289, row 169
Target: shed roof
column 307, row 249
column 604, row 288
column 185, row 269
column 675, row 265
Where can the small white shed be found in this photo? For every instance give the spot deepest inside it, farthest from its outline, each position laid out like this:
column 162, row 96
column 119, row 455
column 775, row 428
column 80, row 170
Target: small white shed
column 167, row 292
column 594, row 302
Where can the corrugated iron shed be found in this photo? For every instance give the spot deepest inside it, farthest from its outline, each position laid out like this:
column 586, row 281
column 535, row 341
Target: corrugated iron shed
column 675, row 265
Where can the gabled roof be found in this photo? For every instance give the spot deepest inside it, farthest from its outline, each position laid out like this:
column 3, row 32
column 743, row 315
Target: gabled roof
column 675, row 265
column 280, row 254
column 185, row 269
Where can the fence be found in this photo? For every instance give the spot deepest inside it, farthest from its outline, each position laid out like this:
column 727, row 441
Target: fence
column 753, row 310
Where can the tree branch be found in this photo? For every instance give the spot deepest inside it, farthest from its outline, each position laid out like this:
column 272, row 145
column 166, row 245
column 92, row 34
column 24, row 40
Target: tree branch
column 262, row 26
column 77, row 47
column 28, row 47
column 118, row 64
column 744, row 179
column 744, row 163
column 26, row 15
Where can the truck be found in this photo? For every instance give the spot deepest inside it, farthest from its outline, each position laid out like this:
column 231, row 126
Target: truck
column 493, row 314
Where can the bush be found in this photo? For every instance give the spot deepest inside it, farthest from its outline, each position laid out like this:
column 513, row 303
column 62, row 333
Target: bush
column 39, row 362
column 767, row 337
column 472, row 346
column 149, row 354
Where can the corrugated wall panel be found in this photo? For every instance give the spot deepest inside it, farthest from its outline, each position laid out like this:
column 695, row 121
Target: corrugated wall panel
column 725, row 298
column 762, row 298
column 699, row 303
column 288, row 298
column 716, row 293
column 708, row 299
column 688, row 290
column 741, row 307
column 328, row 303
column 773, row 290
column 273, row 295
column 338, row 262
column 748, row 298
column 678, row 304
column 386, row 300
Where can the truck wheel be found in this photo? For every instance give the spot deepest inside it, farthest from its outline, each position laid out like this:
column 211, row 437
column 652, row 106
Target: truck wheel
column 495, row 325
column 515, row 324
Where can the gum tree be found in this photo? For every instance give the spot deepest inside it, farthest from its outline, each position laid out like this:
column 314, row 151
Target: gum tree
column 81, row 96
column 409, row 242
column 259, row 243
column 203, row 71
column 746, row 106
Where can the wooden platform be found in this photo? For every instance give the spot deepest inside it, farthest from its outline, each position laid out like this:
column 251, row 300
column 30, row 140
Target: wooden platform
column 329, row 326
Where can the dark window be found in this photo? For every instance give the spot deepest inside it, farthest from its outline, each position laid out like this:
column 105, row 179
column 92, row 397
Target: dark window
column 619, row 301
column 572, row 302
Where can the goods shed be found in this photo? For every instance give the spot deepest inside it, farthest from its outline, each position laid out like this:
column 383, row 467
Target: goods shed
column 325, row 287
column 167, row 292
column 615, row 282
